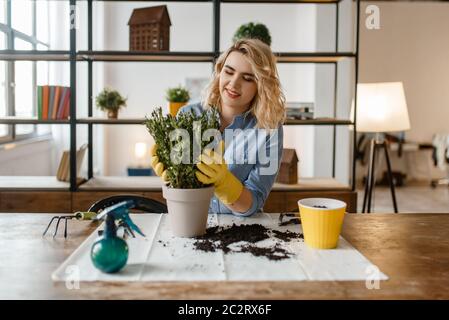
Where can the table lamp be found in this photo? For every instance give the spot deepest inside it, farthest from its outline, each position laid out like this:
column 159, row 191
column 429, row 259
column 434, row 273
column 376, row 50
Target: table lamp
column 141, row 167
column 140, row 152
column 381, row 107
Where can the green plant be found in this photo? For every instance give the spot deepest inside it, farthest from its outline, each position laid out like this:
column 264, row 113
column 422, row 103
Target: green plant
column 253, row 31
column 109, row 99
column 181, row 175
column 177, row 94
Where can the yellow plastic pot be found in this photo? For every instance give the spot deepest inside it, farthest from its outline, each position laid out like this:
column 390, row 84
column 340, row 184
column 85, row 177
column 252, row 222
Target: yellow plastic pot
column 173, row 107
column 321, row 226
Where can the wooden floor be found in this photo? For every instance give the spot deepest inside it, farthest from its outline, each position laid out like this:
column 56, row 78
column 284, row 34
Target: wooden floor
column 410, row 199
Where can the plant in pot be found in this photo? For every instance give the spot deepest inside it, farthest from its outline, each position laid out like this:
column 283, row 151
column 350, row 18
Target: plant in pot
column 253, row 31
column 111, row 101
column 180, row 141
column 176, row 97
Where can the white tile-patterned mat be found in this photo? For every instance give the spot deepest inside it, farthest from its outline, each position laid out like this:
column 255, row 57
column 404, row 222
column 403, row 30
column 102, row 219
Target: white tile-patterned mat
column 161, row 257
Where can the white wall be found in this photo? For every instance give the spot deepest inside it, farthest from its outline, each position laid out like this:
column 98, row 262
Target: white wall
column 292, row 28
column 412, row 46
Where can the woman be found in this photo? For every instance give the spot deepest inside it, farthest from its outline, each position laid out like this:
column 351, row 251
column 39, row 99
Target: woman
column 245, row 89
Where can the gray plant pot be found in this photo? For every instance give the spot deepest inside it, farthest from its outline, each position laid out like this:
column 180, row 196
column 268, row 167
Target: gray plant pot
column 188, row 210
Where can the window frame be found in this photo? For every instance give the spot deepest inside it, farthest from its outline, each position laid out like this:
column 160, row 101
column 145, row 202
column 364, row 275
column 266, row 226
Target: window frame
column 12, row 34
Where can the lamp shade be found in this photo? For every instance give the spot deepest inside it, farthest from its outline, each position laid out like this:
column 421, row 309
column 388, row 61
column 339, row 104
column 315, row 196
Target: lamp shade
column 140, row 150
column 381, row 107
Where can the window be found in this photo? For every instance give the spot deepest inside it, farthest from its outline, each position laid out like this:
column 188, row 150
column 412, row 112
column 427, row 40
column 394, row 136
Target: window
column 4, row 132
column 3, row 11
column 18, row 79
column 22, row 18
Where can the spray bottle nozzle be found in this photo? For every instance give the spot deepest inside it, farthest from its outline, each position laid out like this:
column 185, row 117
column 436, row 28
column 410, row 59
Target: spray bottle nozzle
column 120, row 211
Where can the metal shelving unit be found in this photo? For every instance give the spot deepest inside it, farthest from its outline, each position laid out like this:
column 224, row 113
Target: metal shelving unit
column 90, row 56
column 18, row 120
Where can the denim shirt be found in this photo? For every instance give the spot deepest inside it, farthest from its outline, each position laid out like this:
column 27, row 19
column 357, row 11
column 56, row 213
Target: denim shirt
column 253, row 156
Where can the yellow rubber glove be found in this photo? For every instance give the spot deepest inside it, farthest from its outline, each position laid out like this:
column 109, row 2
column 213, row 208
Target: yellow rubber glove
column 157, row 166
column 214, row 170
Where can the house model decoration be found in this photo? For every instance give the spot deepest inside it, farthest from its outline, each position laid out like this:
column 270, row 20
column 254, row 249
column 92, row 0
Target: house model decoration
column 149, row 29
column 288, row 171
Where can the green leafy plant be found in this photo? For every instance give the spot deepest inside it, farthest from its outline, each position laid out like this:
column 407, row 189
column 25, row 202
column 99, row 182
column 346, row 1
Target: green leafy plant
column 177, row 94
column 180, row 175
column 253, row 31
column 109, row 99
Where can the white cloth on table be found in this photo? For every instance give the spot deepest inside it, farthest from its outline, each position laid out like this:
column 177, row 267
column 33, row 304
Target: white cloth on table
column 161, row 257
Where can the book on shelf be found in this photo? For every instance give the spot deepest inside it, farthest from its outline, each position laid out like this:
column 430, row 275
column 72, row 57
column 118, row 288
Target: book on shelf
column 39, row 102
column 53, row 102
column 45, row 94
column 63, row 173
column 56, row 102
column 63, row 94
column 299, row 110
column 66, row 106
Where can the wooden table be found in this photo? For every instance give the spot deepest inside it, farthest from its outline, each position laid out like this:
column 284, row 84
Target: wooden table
column 412, row 249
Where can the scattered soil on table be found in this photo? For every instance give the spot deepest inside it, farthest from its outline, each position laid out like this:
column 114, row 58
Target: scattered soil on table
column 287, row 235
column 222, row 237
column 274, row 253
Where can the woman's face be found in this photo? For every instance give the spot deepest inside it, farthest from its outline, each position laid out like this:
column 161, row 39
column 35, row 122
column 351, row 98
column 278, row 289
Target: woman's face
column 237, row 82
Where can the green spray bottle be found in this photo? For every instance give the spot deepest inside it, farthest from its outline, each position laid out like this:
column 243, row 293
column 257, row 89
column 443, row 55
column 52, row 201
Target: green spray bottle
column 109, row 253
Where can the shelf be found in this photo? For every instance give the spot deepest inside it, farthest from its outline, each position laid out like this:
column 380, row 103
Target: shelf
column 155, row 184
column 312, row 57
column 323, row 121
column 282, row 57
column 110, row 121
column 283, row 1
column 312, row 184
column 149, row 0
column 169, row 56
column 236, row 1
column 34, row 55
column 16, row 120
column 136, row 56
column 49, row 183
column 32, row 183
column 123, row 184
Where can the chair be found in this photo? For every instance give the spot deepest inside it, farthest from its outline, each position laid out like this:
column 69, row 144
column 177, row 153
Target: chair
column 140, row 203
column 441, row 143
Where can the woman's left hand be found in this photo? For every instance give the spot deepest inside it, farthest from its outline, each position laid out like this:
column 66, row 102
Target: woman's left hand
column 214, row 170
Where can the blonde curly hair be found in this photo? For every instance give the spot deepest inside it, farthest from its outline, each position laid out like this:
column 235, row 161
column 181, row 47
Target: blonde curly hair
column 268, row 105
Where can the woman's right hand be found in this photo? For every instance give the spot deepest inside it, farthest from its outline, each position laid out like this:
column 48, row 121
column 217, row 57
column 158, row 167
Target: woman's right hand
column 157, row 166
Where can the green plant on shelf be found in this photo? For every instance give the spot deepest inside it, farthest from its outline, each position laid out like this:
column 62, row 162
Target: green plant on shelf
column 111, row 101
column 253, row 31
column 177, row 94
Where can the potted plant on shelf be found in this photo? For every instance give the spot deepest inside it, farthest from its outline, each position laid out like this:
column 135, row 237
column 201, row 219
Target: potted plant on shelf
column 187, row 198
column 253, row 31
column 111, row 101
column 177, row 97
